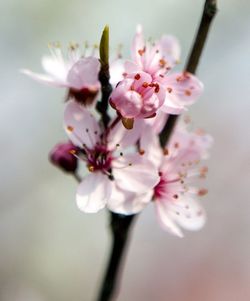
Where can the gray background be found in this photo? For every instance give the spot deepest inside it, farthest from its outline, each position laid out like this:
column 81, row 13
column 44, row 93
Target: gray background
column 49, row 250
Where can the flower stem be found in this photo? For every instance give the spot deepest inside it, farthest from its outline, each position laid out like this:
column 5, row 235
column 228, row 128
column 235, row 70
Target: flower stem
column 209, row 11
column 120, row 226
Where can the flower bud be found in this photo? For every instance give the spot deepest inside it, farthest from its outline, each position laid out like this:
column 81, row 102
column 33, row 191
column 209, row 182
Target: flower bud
column 62, row 156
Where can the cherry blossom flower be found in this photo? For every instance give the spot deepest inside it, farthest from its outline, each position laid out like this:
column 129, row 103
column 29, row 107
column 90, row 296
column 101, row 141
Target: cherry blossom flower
column 113, row 172
column 138, row 96
column 77, row 73
column 157, row 60
column 175, row 197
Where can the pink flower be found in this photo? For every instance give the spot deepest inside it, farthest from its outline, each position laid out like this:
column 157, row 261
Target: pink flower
column 157, row 59
column 154, row 58
column 137, row 96
column 175, row 197
column 114, row 174
column 78, row 74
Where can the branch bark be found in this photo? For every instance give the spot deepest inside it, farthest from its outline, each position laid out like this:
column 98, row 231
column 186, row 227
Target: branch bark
column 120, row 227
column 209, row 11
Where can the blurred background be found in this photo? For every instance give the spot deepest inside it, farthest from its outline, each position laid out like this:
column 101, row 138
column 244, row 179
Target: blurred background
column 49, row 250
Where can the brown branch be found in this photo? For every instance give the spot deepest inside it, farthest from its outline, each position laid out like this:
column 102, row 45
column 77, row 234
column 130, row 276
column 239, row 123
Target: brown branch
column 209, row 11
column 120, row 227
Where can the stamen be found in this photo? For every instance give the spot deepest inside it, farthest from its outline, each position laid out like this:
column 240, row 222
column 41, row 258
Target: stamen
column 141, row 152
column 202, row 192
column 165, row 152
column 91, row 168
column 137, row 76
column 187, row 92
column 70, row 128
column 157, row 88
column 162, row 63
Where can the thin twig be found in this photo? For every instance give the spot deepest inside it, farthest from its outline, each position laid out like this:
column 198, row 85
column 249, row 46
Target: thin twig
column 209, row 11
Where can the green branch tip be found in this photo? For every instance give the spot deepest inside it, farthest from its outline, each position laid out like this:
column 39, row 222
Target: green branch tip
column 104, row 47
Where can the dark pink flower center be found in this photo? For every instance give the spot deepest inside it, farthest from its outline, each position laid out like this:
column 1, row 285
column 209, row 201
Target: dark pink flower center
column 83, row 96
column 99, row 159
column 160, row 188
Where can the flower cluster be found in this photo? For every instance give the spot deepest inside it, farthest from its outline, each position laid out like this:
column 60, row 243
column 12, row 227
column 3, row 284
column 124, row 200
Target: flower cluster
column 125, row 166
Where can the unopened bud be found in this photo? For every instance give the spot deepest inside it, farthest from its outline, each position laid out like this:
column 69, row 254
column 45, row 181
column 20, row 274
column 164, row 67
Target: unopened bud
column 62, row 156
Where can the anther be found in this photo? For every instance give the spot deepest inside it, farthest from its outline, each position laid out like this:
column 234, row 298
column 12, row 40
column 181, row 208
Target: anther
column 187, row 92
column 165, row 152
column 137, row 76
column 91, row 168
column 72, row 151
column 202, row 192
column 169, row 90
column 70, row 128
column 157, row 88
column 162, row 63
column 141, row 152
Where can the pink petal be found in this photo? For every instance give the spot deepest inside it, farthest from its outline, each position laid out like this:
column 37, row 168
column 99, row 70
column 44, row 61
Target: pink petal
column 170, row 48
column 157, row 123
column 131, row 67
column 116, row 70
column 93, row 192
column 84, row 74
column 128, row 103
column 125, row 202
column 135, row 174
column 119, row 135
column 137, row 44
column 80, row 125
column 183, row 88
column 149, row 143
column 172, row 107
column 165, row 220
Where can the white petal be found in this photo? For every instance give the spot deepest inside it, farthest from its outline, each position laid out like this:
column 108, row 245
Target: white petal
column 165, row 220
column 57, row 68
column 80, row 125
column 133, row 173
column 93, row 192
column 44, row 79
column 124, row 202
